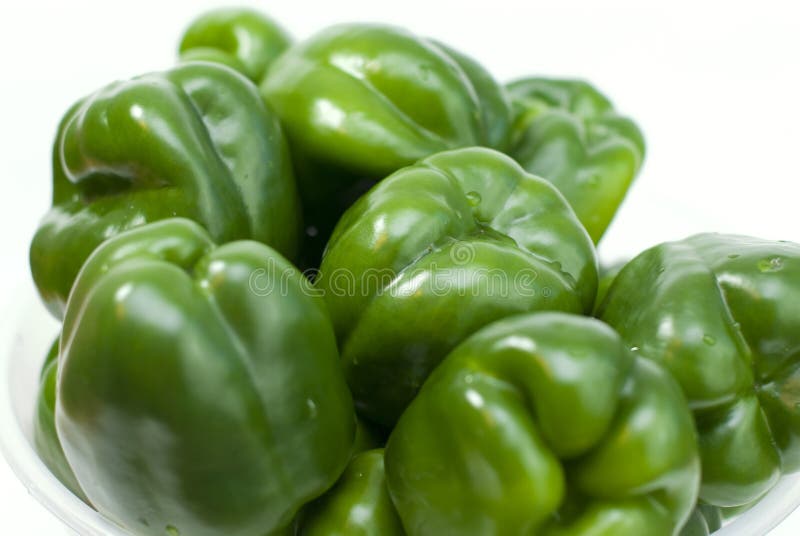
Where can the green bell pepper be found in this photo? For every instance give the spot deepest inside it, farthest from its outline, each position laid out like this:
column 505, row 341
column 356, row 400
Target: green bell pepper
column 199, row 387
column 568, row 132
column 360, row 101
column 196, row 141
column 434, row 252
column 722, row 313
column 45, row 438
column 545, row 424
column 241, row 38
column 705, row 520
column 359, row 504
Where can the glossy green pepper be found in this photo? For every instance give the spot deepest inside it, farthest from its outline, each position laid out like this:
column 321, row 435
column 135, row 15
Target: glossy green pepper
column 359, row 504
column 434, row 252
column 45, row 438
column 722, row 313
column 705, row 520
column 244, row 39
column 360, row 101
column 568, row 132
column 545, row 424
column 199, row 387
column 196, row 141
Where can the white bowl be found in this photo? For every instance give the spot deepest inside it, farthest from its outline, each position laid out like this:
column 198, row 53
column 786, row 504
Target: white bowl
column 19, row 381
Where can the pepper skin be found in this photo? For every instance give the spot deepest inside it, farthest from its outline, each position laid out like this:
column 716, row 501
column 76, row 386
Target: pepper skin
column 243, row 39
column 358, row 505
column 545, row 424
column 704, row 520
column 196, row 141
column 607, row 276
column 360, row 101
column 568, row 132
column 45, row 438
column 199, row 387
column 438, row 250
column 722, row 314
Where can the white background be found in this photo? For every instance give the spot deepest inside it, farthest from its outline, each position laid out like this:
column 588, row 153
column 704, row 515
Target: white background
column 715, row 86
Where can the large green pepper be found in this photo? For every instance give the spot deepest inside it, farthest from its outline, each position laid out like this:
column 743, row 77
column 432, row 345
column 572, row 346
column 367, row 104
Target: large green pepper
column 438, row 250
column 545, row 424
column 244, row 39
column 196, row 141
column 45, row 438
column 568, row 132
column 722, row 313
column 359, row 504
column 199, row 387
column 360, row 101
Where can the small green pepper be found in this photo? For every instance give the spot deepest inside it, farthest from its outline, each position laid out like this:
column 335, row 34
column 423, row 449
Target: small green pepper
column 568, row 133
column 241, row 38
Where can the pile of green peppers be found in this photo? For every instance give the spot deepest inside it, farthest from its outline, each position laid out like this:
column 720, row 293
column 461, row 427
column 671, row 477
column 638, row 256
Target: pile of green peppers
column 349, row 286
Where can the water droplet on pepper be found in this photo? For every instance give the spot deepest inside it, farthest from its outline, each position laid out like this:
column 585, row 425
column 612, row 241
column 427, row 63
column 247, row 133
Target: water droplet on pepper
column 775, row 264
column 473, row 198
